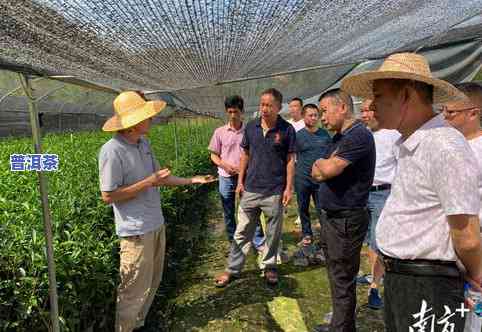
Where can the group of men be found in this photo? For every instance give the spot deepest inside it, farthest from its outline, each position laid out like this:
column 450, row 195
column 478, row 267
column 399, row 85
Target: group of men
column 428, row 233
column 404, row 172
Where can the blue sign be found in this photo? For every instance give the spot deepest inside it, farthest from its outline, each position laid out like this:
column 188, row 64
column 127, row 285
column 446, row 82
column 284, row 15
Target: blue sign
column 50, row 162
column 34, row 162
column 17, row 162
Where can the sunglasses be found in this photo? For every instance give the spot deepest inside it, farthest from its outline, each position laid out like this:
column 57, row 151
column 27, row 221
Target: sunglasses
column 451, row 113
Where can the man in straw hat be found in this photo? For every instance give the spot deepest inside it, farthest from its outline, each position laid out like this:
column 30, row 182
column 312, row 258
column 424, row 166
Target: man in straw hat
column 345, row 176
column 430, row 220
column 129, row 179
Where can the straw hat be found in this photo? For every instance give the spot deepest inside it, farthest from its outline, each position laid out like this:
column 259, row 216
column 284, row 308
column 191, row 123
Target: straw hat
column 409, row 66
column 130, row 109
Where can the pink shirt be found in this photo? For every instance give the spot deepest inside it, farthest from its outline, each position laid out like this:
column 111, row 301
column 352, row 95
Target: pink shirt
column 226, row 144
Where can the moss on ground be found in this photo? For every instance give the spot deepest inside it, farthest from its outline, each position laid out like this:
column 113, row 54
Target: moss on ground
column 298, row 303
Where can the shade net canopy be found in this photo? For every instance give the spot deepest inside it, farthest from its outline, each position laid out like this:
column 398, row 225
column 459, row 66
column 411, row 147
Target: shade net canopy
column 195, row 53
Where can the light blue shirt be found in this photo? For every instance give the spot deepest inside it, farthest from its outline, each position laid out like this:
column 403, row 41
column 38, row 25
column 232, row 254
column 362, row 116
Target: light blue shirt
column 122, row 163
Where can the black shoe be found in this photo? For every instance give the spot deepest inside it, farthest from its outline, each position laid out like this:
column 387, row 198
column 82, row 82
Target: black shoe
column 322, row 328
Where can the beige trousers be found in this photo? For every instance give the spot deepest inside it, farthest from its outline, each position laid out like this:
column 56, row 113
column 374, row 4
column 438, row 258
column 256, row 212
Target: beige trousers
column 141, row 266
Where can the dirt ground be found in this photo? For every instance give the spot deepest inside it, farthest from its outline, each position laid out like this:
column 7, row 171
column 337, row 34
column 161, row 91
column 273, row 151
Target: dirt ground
column 298, row 303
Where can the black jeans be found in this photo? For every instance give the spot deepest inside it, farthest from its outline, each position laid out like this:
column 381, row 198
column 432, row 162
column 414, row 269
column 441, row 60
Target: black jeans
column 342, row 240
column 404, row 295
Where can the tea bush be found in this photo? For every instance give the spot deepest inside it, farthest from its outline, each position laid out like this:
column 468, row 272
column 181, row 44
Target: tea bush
column 85, row 244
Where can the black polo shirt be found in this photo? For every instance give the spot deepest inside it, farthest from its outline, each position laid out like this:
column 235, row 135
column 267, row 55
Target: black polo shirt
column 268, row 156
column 350, row 189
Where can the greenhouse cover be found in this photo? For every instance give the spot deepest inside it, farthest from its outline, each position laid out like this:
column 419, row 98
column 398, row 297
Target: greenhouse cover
column 197, row 52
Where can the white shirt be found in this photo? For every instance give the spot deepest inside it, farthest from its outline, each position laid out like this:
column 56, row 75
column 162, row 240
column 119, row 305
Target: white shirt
column 298, row 125
column 436, row 176
column 387, row 152
column 476, row 145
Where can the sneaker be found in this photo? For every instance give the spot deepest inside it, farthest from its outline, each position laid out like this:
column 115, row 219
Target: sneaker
column 374, row 300
column 365, row 279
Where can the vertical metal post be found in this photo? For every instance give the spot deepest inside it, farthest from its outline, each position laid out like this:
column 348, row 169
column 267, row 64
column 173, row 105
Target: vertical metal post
column 43, row 184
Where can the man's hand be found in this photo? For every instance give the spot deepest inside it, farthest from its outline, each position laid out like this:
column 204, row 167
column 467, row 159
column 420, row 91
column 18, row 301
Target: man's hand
column 325, row 169
column 465, row 234
column 231, row 169
column 158, row 177
column 202, row 179
column 287, row 195
column 240, row 189
column 475, row 284
column 316, row 171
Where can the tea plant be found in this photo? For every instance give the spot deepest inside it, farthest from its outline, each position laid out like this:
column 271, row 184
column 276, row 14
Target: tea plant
column 86, row 247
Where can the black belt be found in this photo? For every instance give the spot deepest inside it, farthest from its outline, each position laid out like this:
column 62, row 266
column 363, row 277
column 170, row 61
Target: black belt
column 381, row 187
column 421, row 267
column 344, row 213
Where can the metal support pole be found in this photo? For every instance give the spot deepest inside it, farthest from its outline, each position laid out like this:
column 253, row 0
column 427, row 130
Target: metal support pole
column 43, row 184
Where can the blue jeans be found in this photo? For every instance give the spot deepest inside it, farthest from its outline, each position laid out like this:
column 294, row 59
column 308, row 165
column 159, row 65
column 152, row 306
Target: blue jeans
column 227, row 191
column 305, row 190
column 376, row 202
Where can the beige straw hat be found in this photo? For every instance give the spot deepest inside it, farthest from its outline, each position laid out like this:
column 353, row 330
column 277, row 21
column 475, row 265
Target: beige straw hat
column 130, row 109
column 409, row 66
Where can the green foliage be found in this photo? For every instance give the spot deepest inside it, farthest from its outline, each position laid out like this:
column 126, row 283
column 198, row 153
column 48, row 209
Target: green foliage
column 85, row 244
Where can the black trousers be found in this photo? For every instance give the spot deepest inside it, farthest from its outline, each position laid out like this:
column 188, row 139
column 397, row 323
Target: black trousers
column 341, row 239
column 404, row 295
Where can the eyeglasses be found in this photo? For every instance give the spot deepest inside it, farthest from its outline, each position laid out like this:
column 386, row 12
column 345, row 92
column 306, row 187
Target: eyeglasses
column 451, row 113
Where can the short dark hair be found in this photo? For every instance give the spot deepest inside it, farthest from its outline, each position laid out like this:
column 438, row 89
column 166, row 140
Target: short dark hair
column 275, row 93
column 140, row 93
column 424, row 90
column 309, row 106
column 234, row 102
column 473, row 91
column 297, row 99
column 339, row 96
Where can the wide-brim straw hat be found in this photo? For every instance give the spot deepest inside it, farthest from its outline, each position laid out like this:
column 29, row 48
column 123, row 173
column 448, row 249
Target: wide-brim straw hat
column 409, row 66
column 130, row 109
